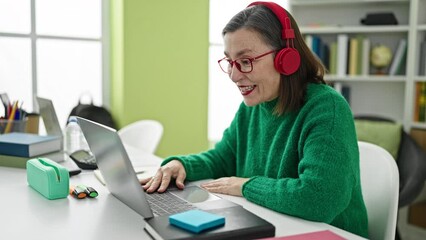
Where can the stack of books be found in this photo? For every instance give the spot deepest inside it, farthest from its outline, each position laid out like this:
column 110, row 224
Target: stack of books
column 16, row 147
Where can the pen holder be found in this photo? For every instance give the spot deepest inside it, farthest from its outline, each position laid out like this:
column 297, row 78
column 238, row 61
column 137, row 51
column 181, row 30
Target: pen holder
column 48, row 178
column 8, row 126
column 33, row 121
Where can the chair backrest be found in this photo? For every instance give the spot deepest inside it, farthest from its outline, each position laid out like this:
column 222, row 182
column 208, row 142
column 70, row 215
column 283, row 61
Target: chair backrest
column 143, row 134
column 412, row 170
column 380, row 189
column 411, row 161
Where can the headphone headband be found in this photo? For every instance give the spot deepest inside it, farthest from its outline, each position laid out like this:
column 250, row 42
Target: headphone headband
column 287, row 60
column 287, row 32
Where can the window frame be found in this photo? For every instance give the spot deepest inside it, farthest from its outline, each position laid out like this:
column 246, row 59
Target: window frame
column 104, row 40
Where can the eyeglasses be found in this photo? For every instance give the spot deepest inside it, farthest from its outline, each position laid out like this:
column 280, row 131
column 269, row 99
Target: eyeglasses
column 244, row 65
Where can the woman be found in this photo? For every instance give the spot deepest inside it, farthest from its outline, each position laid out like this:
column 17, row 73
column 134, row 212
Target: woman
column 292, row 145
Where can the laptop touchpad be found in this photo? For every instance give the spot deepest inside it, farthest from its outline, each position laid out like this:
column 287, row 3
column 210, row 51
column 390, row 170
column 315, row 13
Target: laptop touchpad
column 194, row 194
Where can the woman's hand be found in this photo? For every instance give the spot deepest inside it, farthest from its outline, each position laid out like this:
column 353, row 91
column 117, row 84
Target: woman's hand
column 226, row 185
column 161, row 180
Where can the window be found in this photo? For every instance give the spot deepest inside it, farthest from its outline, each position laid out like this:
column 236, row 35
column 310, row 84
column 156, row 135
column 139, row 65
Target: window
column 224, row 97
column 53, row 49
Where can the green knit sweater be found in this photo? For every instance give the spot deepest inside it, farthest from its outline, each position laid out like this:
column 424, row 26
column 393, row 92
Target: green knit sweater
column 304, row 164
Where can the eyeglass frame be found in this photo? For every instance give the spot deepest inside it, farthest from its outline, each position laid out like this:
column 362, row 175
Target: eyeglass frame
column 234, row 62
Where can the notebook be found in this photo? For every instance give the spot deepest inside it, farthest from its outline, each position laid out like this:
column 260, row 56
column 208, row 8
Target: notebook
column 121, row 181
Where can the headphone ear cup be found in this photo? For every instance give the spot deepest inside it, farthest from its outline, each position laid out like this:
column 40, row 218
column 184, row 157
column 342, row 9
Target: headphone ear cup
column 287, row 61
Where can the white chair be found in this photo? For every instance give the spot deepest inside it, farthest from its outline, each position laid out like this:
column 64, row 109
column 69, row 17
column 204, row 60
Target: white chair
column 143, row 134
column 380, row 189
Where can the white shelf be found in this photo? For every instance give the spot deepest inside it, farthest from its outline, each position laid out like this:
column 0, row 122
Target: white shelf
column 367, row 78
column 420, row 78
column 392, row 95
column 354, row 29
column 418, row 125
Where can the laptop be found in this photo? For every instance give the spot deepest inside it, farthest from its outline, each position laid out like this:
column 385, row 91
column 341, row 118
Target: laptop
column 52, row 126
column 121, row 181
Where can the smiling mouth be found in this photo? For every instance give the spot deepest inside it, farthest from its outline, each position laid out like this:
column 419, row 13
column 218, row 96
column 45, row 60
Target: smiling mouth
column 246, row 90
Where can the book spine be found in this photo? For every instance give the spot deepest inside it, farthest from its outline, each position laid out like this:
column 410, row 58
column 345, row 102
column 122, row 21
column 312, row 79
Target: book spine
column 308, row 41
column 398, row 57
column 366, row 56
column 20, row 150
column 422, row 102
column 13, row 161
column 416, row 102
column 346, row 93
column 353, row 56
column 333, row 58
column 422, row 64
column 316, row 46
column 325, row 55
column 360, row 40
column 342, row 54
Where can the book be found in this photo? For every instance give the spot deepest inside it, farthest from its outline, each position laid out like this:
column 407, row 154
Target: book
column 316, row 46
column 309, row 40
column 353, row 56
column 344, row 90
column 325, row 55
column 365, row 58
column 421, row 102
column 342, row 54
column 319, row 235
column 13, row 161
column 398, row 58
column 28, row 144
column 333, row 58
column 360, row 40
column 422, row 59
column 346, row 93
column 416, row 102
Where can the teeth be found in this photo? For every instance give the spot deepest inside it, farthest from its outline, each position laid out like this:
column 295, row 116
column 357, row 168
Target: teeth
column 246, row 88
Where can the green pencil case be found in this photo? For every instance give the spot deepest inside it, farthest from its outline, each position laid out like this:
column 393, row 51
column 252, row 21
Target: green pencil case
column 48, row 178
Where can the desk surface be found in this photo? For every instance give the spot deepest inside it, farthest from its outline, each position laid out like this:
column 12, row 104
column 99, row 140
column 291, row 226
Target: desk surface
column 25, row 214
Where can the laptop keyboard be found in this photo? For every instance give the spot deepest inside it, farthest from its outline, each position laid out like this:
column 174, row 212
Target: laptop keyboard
column 167, row 203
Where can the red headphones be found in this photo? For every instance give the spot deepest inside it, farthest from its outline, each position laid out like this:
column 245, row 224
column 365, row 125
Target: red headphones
column 287, row 60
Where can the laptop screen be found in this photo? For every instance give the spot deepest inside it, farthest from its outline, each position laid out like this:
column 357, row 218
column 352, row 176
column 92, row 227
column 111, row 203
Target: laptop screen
column 48, row 114
column 115, row 166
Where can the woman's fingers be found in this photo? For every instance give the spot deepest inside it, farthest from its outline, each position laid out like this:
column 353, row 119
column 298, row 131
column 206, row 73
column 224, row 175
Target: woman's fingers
column 162, row 178
column 165, row 181
column 145, row 180
column 180, row 179
column 226, row 185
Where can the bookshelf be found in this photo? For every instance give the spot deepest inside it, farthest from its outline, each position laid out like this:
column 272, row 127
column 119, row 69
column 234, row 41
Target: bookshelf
column 392, row 96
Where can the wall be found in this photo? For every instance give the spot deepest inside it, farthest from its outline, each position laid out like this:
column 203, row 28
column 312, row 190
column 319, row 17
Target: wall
column 159, row 69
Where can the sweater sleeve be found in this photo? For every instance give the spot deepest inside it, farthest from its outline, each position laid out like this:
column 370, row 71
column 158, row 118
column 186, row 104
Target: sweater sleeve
column 328, row 158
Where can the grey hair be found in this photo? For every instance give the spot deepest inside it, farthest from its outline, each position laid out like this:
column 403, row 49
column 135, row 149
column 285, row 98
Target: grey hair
column 261, row 20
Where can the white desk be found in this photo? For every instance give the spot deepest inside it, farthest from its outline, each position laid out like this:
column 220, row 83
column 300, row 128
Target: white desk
column 25, row 214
